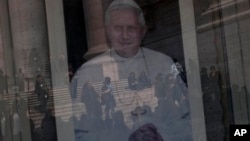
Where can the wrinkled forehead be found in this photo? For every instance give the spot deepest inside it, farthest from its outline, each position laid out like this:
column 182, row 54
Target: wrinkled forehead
column 125, row 4
column 130, row 14
column 121, row 7
column 127, row 9
column 119, row 4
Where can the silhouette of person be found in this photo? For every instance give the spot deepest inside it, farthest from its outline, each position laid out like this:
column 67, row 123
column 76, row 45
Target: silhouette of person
column 107, row 97
column 118, row 130
column 159, row 86
column 16, row 124
column 5, row 120
column 144, row 82
column 42, row 93
column 2, row 82
column 132, row 81
column 215, row 79
column 90, row 98
column 205, row 80
column 48, row 126
column 20, row 80
column 21, row 105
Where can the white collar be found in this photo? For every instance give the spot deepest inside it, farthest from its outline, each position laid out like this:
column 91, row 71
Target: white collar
column 117, row 57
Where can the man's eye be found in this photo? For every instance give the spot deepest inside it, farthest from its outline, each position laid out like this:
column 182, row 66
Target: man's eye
column 132, row 29
column 118, row 28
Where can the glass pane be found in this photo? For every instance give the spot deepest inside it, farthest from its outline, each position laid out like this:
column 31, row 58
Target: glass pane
column 123, row 69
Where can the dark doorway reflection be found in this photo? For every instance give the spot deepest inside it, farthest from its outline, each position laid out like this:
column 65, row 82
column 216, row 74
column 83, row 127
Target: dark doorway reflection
column 75, row 32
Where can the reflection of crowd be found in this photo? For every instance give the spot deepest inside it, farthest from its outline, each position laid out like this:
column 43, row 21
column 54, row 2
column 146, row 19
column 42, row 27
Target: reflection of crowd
column 172, row 105
column 16, row 123
column 138, row 84
column 19, row 83
column 211, row 87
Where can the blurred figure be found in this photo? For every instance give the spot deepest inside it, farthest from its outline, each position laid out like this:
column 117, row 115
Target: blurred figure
column 20, row 105
column 5, row 119
column 2, row 82
column 205, row 81
column 173, row 91
column 4, row 106
column 28, row 128
column 118, row 130
column 35, row 61
column 107, row 97
column 90, row 98
column 132, row 81
column 20, row 80
column 215, row 83
column 48, row 127
column 144, row 82
column 42, row 93
column 16, row 124
column 159, row 87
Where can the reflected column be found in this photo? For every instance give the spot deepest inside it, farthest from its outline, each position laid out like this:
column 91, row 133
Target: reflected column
column 93, row 11
column 6, row 52
column 29, row 36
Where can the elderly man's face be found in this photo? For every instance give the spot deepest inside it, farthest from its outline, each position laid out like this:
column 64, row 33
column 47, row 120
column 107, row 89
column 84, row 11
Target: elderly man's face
column 125, row 32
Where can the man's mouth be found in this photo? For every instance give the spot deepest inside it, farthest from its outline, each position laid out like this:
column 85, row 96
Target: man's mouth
column 125, row 43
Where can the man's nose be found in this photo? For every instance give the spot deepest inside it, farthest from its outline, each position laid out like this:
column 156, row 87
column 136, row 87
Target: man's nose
column 125, row 34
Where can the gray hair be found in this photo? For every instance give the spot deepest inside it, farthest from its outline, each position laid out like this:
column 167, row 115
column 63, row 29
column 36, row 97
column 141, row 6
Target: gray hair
column 125, row 4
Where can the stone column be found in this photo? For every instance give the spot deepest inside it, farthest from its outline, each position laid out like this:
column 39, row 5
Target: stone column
column 96, row 38
column 6, row 59
column 192, row 65
column 29, row 34
column 59, row 69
